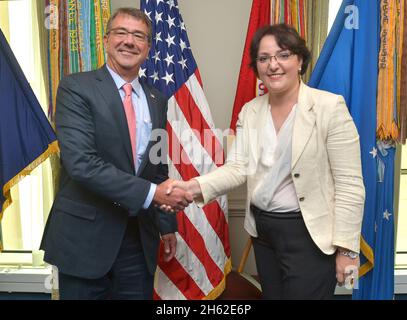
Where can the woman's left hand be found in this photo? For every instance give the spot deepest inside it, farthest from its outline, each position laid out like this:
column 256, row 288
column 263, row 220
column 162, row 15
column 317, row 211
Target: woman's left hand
column 346, row 269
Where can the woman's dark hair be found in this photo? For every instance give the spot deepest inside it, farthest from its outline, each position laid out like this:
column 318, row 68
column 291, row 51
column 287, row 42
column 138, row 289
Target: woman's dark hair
column 287, row 38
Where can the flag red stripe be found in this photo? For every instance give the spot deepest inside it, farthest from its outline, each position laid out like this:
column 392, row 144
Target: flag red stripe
column 179, row 157
column 180, row 278
column 213, row 212
column 197, row 122
column 216, row 219
column 198, row 76
column 196, row 243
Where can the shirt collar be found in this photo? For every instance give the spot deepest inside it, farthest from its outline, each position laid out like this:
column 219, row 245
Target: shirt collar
column 119, row 81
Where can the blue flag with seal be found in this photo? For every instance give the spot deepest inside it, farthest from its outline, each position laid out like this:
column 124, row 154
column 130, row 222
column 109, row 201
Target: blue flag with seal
column 348, row 65
column 26, row 136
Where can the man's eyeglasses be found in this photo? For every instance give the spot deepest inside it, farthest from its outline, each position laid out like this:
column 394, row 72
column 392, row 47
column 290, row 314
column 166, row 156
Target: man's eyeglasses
column 122, row 33
column 280, row 57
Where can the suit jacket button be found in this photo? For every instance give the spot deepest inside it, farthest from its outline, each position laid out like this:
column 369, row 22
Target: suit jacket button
column 302, row 199
column 296, row 175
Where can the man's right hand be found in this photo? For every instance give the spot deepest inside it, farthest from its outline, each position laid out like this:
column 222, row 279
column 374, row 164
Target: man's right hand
column 177, row 200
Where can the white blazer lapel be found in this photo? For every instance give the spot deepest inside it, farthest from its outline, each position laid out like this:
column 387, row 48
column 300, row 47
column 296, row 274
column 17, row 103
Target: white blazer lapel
column 304, row 123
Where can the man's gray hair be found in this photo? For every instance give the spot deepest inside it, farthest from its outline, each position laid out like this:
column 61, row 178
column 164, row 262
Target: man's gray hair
column 133, row 12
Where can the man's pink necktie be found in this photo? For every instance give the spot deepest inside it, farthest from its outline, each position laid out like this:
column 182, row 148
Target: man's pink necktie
column 131, row 117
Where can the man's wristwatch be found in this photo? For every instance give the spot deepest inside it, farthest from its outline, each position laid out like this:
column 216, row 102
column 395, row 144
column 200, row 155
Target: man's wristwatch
column 348, row 253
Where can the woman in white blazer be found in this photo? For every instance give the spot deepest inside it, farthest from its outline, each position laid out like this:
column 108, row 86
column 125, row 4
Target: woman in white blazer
column 298, row 150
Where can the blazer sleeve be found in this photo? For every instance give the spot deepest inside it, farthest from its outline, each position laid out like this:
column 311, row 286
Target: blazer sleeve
column 344, row 157
column 79, row 152
column 234, row 172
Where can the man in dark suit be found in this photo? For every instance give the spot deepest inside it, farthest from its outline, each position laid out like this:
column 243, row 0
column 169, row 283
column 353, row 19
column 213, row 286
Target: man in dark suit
column 104, row 229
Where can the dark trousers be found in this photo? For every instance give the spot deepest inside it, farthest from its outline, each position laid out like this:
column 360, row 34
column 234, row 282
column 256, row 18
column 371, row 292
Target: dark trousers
column 128, row 279
column 289, row 264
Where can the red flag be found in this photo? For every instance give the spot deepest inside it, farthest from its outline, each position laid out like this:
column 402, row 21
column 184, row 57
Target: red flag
column 246, row 88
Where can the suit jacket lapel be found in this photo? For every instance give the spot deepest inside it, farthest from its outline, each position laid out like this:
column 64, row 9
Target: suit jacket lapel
column 153, row 108
column 107, row 88
column 304, row 123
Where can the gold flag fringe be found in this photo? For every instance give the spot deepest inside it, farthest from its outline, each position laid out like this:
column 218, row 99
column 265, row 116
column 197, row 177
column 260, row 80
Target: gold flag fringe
column 218, row 290
column 368, row 253
column 53, row 148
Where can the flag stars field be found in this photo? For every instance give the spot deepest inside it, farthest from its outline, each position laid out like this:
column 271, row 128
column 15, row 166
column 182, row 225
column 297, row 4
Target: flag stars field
column 158, row 37
column 148, row 14
column 142, row 73
column 183, row 63
column 169, row 60
column 170, row 40
column 156, row 56
column 155, row 76
column 158, row 17
column 170, row 22
column 183, row 45
column 172, row 4
column 168, row 77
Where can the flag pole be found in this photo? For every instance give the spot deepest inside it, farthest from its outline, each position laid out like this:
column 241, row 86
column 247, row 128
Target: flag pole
column 245, row 255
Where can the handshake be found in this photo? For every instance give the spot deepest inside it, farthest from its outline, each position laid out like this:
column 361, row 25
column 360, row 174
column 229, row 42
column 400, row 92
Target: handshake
column 172, row 196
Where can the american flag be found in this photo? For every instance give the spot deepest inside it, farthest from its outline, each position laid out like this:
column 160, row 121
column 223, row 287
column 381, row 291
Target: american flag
column 202, row 261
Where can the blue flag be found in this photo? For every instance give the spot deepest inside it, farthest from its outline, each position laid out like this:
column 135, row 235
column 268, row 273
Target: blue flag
column 26, row 136
column 348, row 65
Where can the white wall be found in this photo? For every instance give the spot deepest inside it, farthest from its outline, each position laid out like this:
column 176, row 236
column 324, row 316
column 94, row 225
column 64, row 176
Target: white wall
column 217, row 32
column 334, row 6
